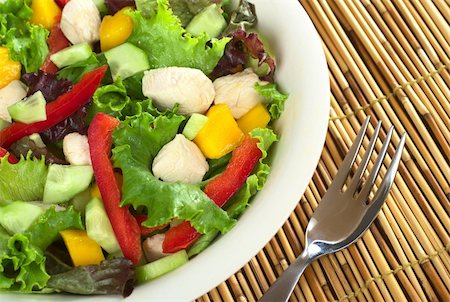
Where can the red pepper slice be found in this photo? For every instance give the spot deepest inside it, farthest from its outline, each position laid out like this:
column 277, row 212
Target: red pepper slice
column 125, row 226
column 220, row 189
column 11, row 158
column 58, row 110
column 61, row 3
column 146, row 230
column 56, row 41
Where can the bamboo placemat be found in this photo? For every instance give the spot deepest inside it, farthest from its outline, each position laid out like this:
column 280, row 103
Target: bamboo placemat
column 388, row 60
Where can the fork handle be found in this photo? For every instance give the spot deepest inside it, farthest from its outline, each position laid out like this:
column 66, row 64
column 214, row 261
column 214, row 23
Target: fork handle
column 282, row 288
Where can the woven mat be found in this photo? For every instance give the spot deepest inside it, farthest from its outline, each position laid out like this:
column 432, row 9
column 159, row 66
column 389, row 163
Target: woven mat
column 388, row 60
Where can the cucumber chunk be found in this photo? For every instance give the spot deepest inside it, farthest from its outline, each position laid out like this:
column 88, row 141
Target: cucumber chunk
column 193, row 126
column 160, row 267
column 126, row 60
column 29, row 110
column 17, row 216
column 209, row 20
column 9, row 95
column 71, row 55
column 64, row 182
column 98, row 226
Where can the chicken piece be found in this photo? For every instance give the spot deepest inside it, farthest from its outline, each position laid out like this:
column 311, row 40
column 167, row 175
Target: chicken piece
column 238, row 91
column 188, row 87
column 180, row 161
column 80, row 21
column 76, row 149
column 9, row 95
column 152, row 247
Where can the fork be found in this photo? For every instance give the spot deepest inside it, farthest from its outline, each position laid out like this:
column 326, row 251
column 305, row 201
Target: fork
column 342, row 215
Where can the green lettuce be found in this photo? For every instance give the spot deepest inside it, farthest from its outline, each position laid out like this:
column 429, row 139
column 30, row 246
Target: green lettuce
column 164, row 32
column 275, row 98
column 185, row 10
column 113, row 100
column 22, row 260
column 23, row 181
column 138, row 140
column 254, row 183
column 26, row 42
column 75, row 72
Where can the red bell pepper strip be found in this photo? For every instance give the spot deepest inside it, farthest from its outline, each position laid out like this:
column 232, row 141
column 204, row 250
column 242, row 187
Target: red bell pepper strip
column 56, row 42
column 146, row 230
column 124, row 224
column 61, row 3
column 220, row 189
column 11, row 158
column 58, row 110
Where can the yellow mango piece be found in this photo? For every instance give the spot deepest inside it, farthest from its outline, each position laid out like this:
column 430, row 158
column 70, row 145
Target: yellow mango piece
column 115, row 30
column 9, row 69
column 221, row 134
column 44, row 13
column 82, row 249
column 95, row 192
column 257, row 117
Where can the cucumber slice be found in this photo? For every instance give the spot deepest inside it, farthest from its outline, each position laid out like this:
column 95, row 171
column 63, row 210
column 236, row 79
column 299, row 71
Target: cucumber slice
column 29, row 110
column 209, row 20
column 193, row 126
column 98, row 226
column 64, row 182
column 160, row 267
column 3, row 124
column 17, row 216
column 71, row 55
column 10, row 94
column 126, row 60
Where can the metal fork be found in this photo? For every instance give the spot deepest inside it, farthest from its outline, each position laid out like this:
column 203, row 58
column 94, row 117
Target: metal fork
column 342, row 216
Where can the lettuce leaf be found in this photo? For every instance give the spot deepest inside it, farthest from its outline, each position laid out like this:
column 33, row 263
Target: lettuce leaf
column 112, row 276
column 22, row 261
column 275, row 98
column 27, row 42
column 114, row 100
column 164, row 31
column 23, row 181
column 254, row 183
column 75, row 72
column 138, row 140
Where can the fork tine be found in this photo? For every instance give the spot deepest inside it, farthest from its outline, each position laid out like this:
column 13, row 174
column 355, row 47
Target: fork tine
column 363, row 164
column 365, row 191
column 349, row 159
column 388, row 180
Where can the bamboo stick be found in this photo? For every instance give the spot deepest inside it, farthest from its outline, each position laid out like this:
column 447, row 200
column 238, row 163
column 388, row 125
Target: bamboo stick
column 236, row 289
column 225, row 292
column 444, row 9
column 245, row 287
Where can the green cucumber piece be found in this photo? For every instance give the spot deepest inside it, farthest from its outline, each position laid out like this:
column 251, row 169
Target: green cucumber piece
column 71, row 55
column 193, row 126
column 29, row 110
column 17, row 216
column 3, row 124
column 161, row 266
column 209, row 20
column 126, row 60
column 101, row 6
column 64, row 182
column 98, row 226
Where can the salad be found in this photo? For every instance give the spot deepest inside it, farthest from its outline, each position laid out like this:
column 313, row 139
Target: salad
column 132, row 134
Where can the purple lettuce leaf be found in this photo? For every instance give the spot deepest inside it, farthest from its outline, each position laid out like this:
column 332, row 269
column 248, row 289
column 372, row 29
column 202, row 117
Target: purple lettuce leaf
column 239, row 50
column 115, row 5
column 48, row 84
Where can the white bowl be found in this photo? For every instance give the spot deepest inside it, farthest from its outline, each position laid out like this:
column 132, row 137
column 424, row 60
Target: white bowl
column 302, row 72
